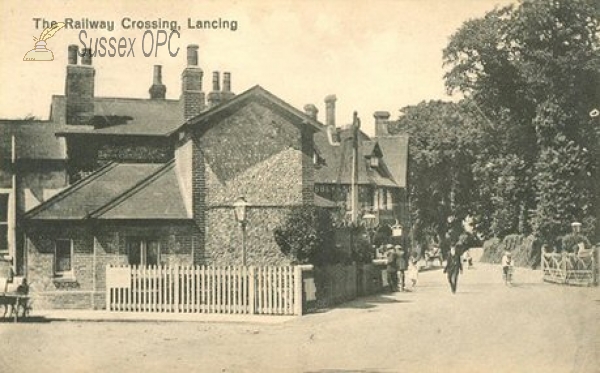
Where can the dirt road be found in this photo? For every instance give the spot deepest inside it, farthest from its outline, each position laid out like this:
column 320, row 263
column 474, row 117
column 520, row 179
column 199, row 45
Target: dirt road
column 531, row 327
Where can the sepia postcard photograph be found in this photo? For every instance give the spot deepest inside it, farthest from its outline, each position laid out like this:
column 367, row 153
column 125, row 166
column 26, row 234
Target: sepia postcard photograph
column 300, row 186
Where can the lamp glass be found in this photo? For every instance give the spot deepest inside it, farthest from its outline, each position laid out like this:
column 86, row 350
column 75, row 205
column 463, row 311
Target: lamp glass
column 239, row 207
column 369, row 220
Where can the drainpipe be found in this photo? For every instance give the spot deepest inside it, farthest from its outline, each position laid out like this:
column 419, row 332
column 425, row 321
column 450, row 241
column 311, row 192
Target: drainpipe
column 94, row 273
column 13, row 216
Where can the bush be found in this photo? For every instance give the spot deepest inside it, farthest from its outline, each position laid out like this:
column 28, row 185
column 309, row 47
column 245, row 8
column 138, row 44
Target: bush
column 307, row 235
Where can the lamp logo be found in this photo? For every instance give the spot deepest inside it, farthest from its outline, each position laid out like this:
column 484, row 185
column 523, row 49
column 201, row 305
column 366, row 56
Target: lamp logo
column 40, row 52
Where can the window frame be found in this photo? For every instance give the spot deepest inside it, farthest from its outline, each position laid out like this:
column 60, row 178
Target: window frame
column 142, row 244
column 6, row 223
column 70, row 272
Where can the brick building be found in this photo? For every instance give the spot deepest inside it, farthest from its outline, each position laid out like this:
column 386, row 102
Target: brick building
column 153, row 181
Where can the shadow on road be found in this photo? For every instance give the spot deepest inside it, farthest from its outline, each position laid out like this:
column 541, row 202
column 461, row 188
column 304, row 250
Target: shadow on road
column 368, row 302
column 29, row 320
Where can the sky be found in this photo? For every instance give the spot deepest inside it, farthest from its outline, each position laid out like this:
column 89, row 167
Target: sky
column 373, row 55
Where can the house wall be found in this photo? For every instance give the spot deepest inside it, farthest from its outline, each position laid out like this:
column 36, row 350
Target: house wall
column 85, row 289
column 262, row 156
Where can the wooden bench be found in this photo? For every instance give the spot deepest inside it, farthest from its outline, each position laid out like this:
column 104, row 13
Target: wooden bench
column 16, row 301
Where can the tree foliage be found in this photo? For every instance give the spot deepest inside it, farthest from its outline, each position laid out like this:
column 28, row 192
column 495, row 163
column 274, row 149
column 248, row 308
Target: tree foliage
column 520, row 152
column 307, row 235
column 440, row 167
column 533, row 72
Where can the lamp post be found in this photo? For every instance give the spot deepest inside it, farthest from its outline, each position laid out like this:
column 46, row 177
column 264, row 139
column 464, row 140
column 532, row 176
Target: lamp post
column 239, row 206
column 370, row 222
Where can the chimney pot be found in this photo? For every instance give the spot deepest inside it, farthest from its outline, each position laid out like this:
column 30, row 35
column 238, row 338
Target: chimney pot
column 73, row 49
column 226, row 82
column 157, row 89
column 216, row 87
column 157, row 74
column 381, row 123
column 192, row 55
column 87, row 57
column 330, row 110
column 311, row 110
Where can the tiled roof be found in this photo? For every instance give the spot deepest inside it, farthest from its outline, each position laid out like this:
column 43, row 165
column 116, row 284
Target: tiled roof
column 336, row 163
column 118, row 191
column 395, row 154
column 140, row 116
column 33, row 140
column 258, row 94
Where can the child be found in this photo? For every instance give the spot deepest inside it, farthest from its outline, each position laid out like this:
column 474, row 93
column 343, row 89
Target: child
column 468, row 259
column 413, row 269
column 507, row 268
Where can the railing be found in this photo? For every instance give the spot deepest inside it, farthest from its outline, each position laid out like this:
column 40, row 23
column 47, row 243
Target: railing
column 570, row 268
column 204, row 289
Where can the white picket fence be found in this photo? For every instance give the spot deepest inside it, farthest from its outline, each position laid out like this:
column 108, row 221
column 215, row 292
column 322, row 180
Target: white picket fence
column 205, row 289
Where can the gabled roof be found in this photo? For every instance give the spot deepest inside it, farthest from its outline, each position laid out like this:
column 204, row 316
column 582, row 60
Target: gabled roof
column 149, row 117
column 395, row 154
column 118, row 191
column 336, row 165
column 33, row 140
column 256, row 93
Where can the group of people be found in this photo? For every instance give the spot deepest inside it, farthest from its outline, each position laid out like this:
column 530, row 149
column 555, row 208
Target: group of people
column 398, row 263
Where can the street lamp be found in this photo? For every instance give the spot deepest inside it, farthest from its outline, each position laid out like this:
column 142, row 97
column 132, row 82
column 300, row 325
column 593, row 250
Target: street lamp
column 239, row 207
column 397, row 230
column 370, row 221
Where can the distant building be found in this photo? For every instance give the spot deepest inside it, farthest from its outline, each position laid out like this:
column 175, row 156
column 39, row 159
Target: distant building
column 111, row 181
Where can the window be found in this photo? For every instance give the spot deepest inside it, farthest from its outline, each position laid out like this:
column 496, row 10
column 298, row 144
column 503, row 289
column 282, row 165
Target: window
column 374, row 162
column 389, row 200
column 143, row 252
column 63, row 256
column 3, row 224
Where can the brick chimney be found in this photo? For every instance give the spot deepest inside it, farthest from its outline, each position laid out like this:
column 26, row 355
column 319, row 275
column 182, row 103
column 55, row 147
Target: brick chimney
column 330, row 110
column 157, row 89
column 79, row 87
column 381, row 123
column 214, row 97
column 226, row 93
column 311, row 110
column 192, row 96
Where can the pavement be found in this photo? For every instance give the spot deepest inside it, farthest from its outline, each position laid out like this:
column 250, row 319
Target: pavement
column 108, row 316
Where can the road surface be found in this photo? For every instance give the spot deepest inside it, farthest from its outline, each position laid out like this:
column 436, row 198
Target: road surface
column 486, row 326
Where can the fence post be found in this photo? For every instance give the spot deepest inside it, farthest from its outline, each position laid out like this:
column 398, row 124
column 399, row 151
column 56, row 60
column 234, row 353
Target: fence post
column 252, row 290
column 298, row 290
column 543, row 261
column 176, row 295
column 107, row 287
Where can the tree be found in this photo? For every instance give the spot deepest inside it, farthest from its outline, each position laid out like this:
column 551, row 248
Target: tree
column 441, row 143
column 532, row 72
column 307, row 235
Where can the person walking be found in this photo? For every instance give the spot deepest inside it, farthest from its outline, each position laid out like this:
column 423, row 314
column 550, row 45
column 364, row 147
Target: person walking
column 507, row 268
column 453, row 267
column 392, row 268
column 402, row 266
column 413, row 269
